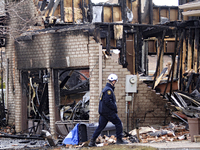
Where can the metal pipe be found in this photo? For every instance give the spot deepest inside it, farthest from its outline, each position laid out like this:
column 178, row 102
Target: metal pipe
column 100, row 68
column 127, row 114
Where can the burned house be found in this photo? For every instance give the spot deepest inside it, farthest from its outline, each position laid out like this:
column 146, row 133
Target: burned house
column 60, row 50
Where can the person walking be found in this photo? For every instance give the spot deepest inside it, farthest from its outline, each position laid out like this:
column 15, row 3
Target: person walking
column 108, row 111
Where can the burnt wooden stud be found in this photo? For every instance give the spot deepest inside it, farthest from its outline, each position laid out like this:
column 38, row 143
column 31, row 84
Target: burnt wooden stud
column 108, row 41
column 196, row 50
column 159, row 57
column 178, row 61
column 173, row 65
column 189, row 82
column 83, row 10
column 139, row 12
column 62, row 10
column 102, row 16
column 50, row 6
column 184, row 52
column 73, row 11
column 189, row 56
column 43, row 5
column 150, row 12
column 112, row 14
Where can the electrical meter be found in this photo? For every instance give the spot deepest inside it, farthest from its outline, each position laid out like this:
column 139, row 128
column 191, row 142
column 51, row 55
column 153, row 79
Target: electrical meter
column 131, row 83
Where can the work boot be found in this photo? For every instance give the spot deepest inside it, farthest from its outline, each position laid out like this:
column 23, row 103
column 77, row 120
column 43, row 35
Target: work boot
column 121, row 141
column 92, row 143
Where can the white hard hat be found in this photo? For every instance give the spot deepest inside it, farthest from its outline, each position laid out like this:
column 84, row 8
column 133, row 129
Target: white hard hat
column 112, row 77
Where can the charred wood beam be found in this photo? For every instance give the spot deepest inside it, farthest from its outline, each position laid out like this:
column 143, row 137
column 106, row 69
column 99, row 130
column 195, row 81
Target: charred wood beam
column 90, row 11
column 43, row 5
column 173, row 65
column 56, row 87
column 62, row 10
column 197, row 84
column 112, row 14
column 44, row 98
column 73, row 11
column 139, row 12
column 169, row 13
column 158, row 60
column 108, row 41
column 189, row 56
column 181, row 61
column 102, row 14
column 178, row 61
column 150, row 12
column 55, row 6
column 196, row 49
column 189, row 82
column 50, row 6
column 66, row 79
column 83, row 10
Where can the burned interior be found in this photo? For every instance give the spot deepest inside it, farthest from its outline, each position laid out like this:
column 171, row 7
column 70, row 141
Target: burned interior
column 57, row 64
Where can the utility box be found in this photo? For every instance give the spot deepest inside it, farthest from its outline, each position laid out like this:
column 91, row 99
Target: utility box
column 131, row 83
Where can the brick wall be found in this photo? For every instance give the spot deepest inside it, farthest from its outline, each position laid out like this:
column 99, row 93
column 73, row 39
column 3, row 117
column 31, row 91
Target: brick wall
column 19, row 19
column 146, row 101
column 54, row 50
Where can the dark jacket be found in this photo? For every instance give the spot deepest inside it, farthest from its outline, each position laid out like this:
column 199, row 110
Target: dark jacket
column 107, row 101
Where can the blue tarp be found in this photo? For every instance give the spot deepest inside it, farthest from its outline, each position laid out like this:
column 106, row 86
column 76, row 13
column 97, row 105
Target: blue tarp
column 72, row 137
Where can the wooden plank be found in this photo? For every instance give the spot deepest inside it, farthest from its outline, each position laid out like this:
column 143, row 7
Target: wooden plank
column 117, row 14
column 189, row 56
column 107, row 14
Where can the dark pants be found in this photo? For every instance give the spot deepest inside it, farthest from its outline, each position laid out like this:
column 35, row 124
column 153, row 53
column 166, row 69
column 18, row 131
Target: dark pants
column 103, row 120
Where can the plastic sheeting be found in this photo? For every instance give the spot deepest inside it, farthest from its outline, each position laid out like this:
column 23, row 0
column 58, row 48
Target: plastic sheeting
column 73, row 136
